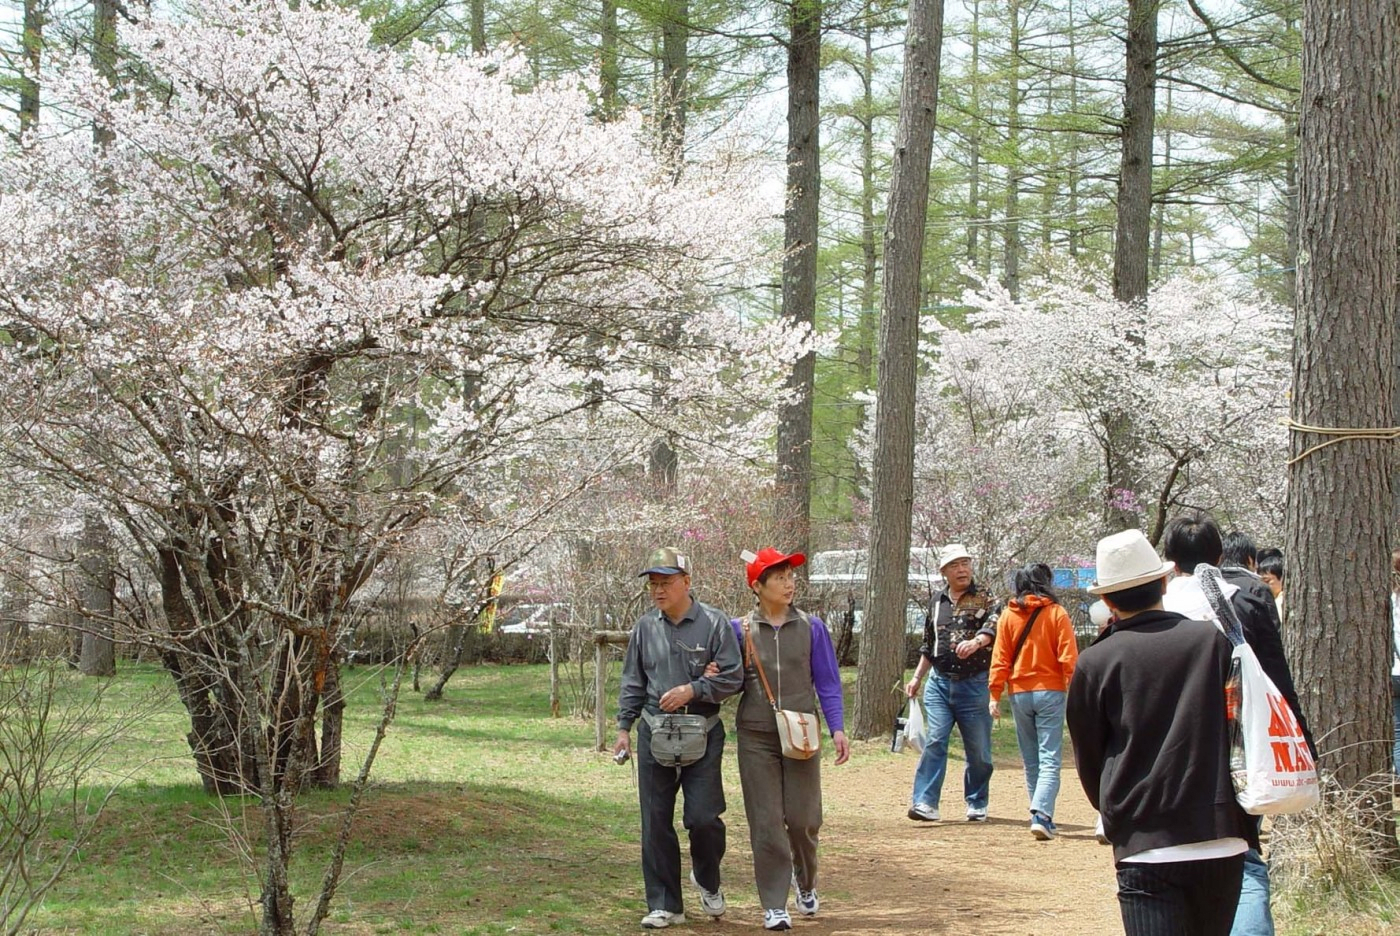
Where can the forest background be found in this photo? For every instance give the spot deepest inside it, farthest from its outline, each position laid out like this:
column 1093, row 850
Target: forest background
column 332, row 320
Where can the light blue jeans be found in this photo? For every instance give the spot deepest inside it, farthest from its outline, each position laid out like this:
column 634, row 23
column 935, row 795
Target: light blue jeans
column 1040, row 731
column 1252, row 916
column 962, row 702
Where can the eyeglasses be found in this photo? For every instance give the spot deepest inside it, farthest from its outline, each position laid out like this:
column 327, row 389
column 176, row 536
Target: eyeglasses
column 660, row 584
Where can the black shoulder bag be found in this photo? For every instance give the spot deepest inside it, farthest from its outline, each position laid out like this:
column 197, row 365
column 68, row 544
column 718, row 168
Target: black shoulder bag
column 1021, row 642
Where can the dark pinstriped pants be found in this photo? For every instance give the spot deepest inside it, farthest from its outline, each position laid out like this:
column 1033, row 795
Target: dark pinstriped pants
column 1181, row 898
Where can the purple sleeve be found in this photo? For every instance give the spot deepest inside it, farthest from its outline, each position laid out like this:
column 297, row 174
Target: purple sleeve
column 826, row 677
column 738, row 625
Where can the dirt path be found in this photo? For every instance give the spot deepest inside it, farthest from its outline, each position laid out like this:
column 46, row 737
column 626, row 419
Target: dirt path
column 882, row 873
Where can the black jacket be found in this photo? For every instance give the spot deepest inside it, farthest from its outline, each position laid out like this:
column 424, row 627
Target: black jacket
column 1146, row 714
column 1258, row 615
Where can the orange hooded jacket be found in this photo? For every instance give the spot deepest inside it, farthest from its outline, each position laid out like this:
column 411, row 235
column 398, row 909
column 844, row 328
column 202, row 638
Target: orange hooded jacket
column 1047, row 660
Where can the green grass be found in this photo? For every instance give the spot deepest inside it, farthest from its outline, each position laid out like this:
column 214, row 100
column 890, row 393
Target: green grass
column 486, row 816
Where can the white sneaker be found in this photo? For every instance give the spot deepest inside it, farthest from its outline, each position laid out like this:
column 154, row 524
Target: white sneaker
column 922, row 812
column 977, row 814
column 777, row 920
column 712, row 902
column 807, row 901
column 660, row 919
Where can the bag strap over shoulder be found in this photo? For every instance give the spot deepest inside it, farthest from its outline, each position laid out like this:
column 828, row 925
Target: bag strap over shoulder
column 752, row 652
column 1021, row 641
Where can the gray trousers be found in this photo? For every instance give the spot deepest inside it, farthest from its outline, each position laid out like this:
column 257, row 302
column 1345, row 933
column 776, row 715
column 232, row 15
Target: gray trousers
column 783, row 802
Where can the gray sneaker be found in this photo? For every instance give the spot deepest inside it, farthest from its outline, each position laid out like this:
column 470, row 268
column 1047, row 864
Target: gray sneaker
column 977, row 814
column 712, row 902
column 923, row 812
column 660, row 919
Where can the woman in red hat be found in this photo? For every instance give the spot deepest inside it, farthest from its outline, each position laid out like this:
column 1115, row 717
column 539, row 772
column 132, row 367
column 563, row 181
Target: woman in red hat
column 783, row 796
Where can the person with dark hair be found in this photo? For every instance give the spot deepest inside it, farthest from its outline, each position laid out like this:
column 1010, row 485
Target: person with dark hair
column 1033, row 659
column 1191, row 541
column 958, row 634
column 1238, row 551
column 783, row 796
column 1270, row 568
column 1146, row 714
column 1238, row 562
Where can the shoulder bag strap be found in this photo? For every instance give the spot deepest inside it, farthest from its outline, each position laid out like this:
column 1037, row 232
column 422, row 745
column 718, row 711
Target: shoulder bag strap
column 1021, row 641
column 757, row 663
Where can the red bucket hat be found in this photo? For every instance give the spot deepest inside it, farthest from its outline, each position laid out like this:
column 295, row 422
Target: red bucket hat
column 767, row 558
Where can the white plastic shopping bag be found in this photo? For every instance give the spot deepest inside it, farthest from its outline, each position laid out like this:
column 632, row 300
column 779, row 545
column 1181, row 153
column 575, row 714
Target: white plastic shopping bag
column 914, row 726
column 1271, row 766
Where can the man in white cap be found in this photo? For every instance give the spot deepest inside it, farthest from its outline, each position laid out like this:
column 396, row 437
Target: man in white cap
column 667, row 668
column 958, row 635
column 1146, row 714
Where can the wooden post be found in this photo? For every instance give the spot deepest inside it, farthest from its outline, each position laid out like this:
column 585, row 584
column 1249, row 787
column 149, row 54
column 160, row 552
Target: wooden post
column 553, row 664
column 601, row 641
column 600, row 681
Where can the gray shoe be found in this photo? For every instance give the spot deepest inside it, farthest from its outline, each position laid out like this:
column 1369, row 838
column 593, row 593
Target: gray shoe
column 923, row 812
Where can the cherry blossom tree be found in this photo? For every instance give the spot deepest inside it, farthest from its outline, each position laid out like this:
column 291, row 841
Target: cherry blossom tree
column 1017, row 411
column 316, row 302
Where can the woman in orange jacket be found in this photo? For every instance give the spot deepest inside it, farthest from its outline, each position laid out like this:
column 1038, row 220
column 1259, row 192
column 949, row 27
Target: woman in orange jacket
column 1033, row 660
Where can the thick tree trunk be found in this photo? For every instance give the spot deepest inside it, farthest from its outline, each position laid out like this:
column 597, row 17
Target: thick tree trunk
column 1130, row 248
column 478, row 10
column 99, row 653
column 800, row 268
column 869, row 282
column 664, row 462
column 1011, row 242
column 974, row 143
column 1135, row 171
column 608, row 73
column 887, row 582
column 1339, row 497
column 206, row 677
column 33, row 44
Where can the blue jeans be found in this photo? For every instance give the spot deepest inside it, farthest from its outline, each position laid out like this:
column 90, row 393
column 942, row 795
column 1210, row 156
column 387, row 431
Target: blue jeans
column 1040, row 731
column 962, row 702
column 1395, row 705
column 1252, row 916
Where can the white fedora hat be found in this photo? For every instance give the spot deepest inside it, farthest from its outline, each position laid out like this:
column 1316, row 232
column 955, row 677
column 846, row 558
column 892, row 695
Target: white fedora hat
column 1124, row 560
column 952, row 552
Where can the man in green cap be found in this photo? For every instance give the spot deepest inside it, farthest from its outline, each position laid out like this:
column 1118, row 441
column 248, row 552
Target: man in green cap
column 664, row 671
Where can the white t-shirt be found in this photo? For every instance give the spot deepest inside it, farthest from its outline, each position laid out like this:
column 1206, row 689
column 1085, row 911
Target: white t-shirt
column 1194, row 851
column 1184, row 596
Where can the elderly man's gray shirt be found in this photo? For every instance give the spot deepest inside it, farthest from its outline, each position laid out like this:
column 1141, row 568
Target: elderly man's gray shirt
column 662, row 655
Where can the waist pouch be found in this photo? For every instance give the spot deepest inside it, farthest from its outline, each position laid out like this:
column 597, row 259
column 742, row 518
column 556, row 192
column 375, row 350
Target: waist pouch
column 678, row 740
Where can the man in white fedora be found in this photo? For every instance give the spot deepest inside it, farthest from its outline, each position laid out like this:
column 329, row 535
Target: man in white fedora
column 958, row 634
column 1146, row 714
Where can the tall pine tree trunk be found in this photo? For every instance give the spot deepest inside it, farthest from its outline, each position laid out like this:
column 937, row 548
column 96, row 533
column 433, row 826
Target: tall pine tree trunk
column 800, row 268
column 1130, row 250
column 892, row 473
column 1339, row 535
column 32, row 48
